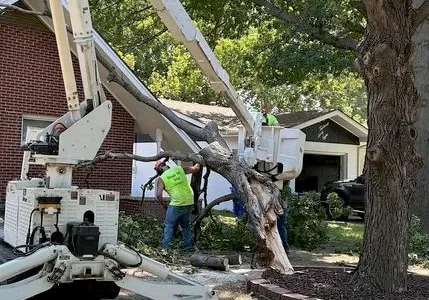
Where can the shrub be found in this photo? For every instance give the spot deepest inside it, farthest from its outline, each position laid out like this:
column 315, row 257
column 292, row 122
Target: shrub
column 418, row 251
column 337, row 208
column 225, row 233
column 306, row 218
column 142, row 233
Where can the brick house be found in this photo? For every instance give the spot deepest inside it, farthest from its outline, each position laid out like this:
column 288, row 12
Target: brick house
column 32, row 95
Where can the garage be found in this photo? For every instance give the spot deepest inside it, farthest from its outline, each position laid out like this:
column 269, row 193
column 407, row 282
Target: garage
column 334, row 148
column 316, row 171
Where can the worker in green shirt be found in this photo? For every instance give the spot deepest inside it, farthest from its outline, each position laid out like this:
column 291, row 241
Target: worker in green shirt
column 175, row 183
column 268, row 118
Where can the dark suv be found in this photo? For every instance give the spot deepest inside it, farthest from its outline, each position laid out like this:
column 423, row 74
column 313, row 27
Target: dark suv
column 351, row 192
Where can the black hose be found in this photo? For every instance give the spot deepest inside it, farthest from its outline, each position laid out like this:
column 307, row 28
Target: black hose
column 149, row 182
column 27, row 240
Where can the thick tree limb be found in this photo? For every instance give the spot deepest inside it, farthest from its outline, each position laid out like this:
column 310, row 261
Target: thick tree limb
column 197, row 222
column 210, row 133
column 315, row 32
column 421, row 14
column 165, row 154
column 31, row 12
column 212, row 204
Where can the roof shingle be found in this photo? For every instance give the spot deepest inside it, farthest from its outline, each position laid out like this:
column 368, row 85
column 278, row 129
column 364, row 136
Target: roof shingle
column 228, row 121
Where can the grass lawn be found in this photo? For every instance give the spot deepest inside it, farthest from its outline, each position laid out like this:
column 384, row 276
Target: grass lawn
column 344, row 237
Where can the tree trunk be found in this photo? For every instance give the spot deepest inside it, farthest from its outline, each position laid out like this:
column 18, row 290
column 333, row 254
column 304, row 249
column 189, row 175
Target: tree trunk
column 195, row 185
column 391, row 162
column 262, row 199
column 421, row 73
column 209, row 261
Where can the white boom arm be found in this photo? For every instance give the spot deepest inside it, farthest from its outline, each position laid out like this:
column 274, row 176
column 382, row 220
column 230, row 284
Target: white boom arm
column 280, row 148
column 77, row 135
column 178, row 22
column 61, row 266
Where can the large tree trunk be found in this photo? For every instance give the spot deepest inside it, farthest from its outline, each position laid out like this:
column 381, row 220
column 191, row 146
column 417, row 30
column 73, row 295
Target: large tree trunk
column 262, row 199
column 391, row 162
column 421, row 73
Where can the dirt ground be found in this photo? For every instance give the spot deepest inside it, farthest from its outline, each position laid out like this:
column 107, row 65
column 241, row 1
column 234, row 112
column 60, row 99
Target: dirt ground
column 231, row 285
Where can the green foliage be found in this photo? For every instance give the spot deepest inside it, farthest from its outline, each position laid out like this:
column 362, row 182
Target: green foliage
column 265, row 57
column 182, row 81
column 225, row 233
column 144, row 234
column 344, row 238
column 336, row 206
column 306, row 224
column 345, row 92
column 418, row 252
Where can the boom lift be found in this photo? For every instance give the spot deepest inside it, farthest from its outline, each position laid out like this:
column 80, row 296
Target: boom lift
column 65, row 234
column 274, row 150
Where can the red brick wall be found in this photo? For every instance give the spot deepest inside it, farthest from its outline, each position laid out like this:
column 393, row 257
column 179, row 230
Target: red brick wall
column 31, row 84
column 150, row 208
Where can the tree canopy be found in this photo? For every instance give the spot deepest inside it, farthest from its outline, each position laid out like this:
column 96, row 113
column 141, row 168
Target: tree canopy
column 298, row 56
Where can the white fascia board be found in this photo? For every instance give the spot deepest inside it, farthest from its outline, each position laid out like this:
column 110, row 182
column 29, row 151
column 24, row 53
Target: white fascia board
column 316, row 120
column 357, row 129
column 6, row 2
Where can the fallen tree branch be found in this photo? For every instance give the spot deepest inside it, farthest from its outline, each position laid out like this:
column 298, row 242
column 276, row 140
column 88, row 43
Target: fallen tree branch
column 213, row 203
column 206, row 212
column 165, row 154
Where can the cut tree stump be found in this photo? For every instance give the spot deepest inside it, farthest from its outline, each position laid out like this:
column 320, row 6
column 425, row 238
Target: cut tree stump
column 210, row 261
column 234, row 259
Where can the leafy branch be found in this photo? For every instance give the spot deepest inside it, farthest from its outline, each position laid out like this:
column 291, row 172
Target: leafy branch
column 312, row 30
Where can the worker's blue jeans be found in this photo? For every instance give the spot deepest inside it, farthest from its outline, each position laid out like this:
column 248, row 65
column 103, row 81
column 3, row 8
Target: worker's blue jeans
column 178, row 215
column 281, row 227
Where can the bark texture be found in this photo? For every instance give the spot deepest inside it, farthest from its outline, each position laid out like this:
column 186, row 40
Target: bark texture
column 392, row 163
column 421, row 73
column 210, row 261
column 262, row 199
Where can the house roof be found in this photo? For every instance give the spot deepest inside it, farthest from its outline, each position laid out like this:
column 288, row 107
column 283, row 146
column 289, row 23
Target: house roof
column 299, row 117
column 147, row 120
column 201, row 114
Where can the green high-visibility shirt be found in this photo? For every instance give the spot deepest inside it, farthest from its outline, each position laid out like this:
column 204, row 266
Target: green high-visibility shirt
column 272, row 121
column 177, row 186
